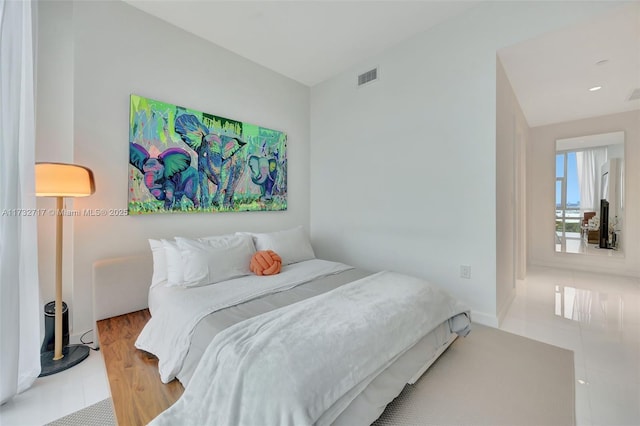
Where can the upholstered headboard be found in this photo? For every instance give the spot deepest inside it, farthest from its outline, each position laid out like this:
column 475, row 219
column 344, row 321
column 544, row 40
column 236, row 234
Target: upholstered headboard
column 121, row 285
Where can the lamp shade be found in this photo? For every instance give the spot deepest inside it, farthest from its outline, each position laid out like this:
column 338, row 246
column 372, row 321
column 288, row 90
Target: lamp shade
column 63, row 180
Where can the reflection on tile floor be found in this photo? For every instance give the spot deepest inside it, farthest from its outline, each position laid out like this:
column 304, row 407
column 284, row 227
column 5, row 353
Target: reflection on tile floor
column 596, row 316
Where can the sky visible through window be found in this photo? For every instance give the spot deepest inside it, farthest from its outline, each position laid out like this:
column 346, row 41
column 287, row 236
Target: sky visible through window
column 573, row 190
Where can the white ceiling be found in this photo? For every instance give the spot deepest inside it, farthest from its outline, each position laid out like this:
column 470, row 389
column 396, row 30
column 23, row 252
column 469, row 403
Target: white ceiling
column 311, row 41
column 308, row 41
column 551, row 74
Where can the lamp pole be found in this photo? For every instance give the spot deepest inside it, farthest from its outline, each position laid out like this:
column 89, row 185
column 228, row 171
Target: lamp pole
column 57, row 348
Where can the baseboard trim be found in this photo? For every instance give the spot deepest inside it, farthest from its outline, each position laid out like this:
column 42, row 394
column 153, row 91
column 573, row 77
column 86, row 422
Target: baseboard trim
column 484, row 319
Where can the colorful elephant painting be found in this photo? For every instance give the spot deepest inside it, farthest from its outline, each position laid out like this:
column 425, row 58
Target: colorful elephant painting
column 183, row 160
column 219, row 159
column 168, row 177
column 263, row 173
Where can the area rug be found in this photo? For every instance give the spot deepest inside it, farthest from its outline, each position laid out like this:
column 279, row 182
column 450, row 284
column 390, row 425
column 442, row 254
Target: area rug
column 494, row 378
column 490, row 377
column 98, row 414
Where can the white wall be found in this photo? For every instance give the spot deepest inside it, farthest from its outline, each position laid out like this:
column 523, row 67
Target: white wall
column 512, row 133
column 118, row 50
column 403, row 171
column 54, row 131
column 541, row 194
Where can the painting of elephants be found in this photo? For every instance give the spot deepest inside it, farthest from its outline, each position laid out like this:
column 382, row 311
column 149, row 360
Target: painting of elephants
column 182, row 160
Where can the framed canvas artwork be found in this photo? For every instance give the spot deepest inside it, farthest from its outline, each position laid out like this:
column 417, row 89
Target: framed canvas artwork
column 183, row 160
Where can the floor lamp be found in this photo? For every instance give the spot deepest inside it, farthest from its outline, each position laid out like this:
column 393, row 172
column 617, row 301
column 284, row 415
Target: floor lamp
column 62, row 180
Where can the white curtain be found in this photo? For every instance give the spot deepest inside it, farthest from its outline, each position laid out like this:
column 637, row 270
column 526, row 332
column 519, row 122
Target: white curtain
column 589, row 162
column 20, row 317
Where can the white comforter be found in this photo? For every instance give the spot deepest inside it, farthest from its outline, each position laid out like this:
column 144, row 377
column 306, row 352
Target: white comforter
column 168, row 333
column 304, row 363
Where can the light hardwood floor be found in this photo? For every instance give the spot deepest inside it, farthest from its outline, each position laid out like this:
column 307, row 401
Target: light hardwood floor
column 137, row 392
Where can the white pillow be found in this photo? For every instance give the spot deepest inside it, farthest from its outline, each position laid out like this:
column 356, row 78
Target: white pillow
column 216, row 237
column 171, row 265
column 159, row 276
column 292, row 245
column 213, row 260
column 175, row 265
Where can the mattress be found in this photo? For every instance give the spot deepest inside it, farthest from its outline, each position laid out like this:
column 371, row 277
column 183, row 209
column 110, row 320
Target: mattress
column 366, row 407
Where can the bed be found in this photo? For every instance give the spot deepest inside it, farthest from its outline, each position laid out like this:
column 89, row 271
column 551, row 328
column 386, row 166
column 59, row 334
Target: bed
column 203, row 322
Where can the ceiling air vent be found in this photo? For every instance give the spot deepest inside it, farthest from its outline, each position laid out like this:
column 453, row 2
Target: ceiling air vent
column 635, row 95
column 368, row 77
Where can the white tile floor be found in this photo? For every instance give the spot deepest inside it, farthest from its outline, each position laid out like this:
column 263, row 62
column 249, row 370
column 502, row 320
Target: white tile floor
column 57, row 395
column 596, row 316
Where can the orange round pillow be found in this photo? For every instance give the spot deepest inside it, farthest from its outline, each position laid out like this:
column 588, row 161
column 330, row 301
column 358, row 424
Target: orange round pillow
column 265, row 262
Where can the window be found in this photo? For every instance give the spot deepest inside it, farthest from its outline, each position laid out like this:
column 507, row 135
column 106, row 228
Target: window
column 568, row 216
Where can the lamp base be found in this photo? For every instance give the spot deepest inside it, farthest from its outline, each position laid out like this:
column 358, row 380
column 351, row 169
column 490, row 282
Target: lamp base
column 72, row 355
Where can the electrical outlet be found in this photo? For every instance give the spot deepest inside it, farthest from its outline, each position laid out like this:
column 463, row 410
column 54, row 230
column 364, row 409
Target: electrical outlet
column 465, row 271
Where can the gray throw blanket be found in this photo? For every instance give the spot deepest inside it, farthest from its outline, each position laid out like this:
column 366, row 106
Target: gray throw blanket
column 303, row 364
